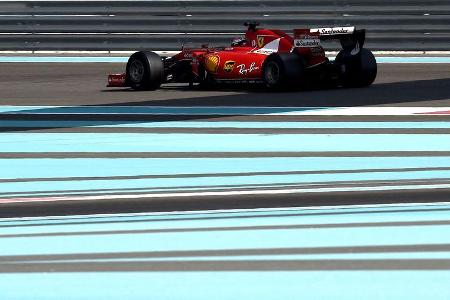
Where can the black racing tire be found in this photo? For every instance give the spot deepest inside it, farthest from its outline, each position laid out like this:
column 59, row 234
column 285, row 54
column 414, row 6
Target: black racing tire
column 145, row 71
column 358, row 70
column 205, row 79
column 283, row 71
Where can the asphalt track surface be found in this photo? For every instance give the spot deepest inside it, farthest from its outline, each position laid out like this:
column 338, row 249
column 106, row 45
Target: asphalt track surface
column 350, row 159
column 84, row 84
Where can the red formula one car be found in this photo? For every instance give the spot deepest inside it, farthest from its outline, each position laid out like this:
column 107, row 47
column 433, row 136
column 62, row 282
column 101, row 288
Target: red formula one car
column 266, row 56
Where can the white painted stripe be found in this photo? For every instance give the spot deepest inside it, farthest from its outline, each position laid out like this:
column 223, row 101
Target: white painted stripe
column 227, row 193
column 227, row 110
column 368, row 111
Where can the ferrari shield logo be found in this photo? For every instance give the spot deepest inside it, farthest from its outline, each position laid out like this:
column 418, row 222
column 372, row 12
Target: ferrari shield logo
column 260, row 41
column 229, row 66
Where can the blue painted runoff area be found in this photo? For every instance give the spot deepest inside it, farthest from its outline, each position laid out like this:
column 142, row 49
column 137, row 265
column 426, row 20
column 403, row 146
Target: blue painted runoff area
column 227, row 285
column 124, row 59
column 149, row 142
column 220, row 182
column 226, row 124
column 35, row 177
column 104, row 175
column 316, row 229
column 30, row 168
column 231, row 236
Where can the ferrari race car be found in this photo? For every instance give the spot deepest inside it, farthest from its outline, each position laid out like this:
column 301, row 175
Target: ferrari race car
column 266, row 56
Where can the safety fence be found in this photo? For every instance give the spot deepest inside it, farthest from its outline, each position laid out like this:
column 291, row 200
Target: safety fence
column 166, row 25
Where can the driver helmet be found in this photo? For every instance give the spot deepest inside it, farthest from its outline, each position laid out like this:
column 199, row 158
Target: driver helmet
column 238, row 41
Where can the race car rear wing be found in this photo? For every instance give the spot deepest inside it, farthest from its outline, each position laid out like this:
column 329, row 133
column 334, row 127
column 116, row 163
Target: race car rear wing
column 349, row 37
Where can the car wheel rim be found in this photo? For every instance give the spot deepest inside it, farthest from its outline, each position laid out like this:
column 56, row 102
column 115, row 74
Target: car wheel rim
column 272, row 73
column 136, row 71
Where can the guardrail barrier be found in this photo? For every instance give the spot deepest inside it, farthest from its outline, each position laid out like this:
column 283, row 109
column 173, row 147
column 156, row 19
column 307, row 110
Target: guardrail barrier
column 166, row 25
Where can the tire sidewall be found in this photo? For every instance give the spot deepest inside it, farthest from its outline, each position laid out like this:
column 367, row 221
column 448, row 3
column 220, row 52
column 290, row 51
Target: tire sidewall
column 153, row 71
column 275, row 60
column 205, row 79
column 358, row 70
column 290, row 67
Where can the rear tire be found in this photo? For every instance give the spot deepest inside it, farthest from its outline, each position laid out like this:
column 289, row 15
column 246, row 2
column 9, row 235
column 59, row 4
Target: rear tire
column 145, row 71
column 358, row 70
column 283, row 71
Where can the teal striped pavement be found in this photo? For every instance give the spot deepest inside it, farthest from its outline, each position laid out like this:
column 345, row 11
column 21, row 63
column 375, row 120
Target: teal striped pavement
column 365, row 252
column 53, row 154
column 45, row 156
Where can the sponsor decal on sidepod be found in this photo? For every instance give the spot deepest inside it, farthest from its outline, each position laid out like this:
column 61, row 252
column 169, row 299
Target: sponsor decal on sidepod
column 212, row 63
column 243, row 70
column 229, row 66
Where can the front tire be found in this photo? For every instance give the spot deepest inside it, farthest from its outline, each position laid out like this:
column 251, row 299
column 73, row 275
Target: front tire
column 282, row 71
column 205, row 79
column 145, row 71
